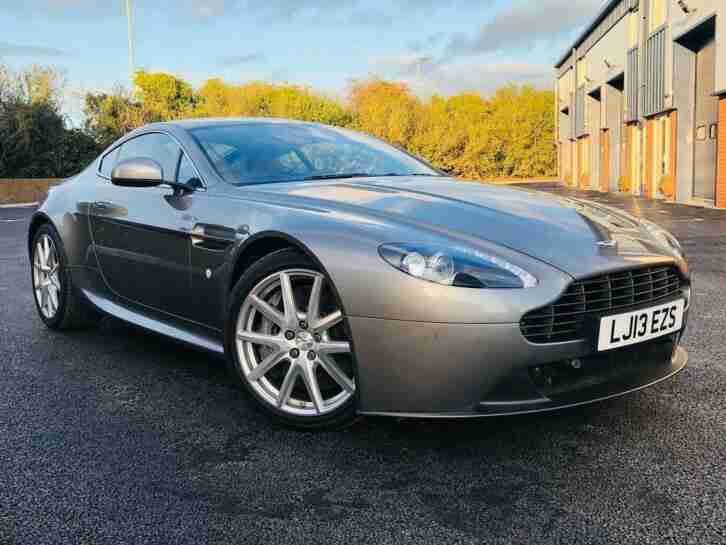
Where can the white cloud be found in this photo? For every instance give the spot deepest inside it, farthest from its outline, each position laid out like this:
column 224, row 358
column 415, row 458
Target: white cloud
column 426, row 76
column 18, row 50
column 243, row 58
column 524, row 24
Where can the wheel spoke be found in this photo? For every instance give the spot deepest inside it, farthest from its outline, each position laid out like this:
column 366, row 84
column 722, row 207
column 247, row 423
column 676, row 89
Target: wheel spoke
column 40, row 252
column 46, row 246
column 267, row 310
column 265, row 365
column 287, row 385
column 48, row 307
column 334, row 347
column 336, row 373
column 53, row 296
column 288, row 299
column 323, row 324
column 259, row 338
column 311, row 384
column 314, row 300
column 41, row 296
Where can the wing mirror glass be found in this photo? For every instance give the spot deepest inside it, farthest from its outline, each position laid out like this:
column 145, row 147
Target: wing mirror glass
column 137, row 172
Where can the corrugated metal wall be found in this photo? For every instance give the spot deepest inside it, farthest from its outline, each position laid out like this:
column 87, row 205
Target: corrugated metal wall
column 684, row 98
column 632, row 83
column 580, row 121
column 655, row 66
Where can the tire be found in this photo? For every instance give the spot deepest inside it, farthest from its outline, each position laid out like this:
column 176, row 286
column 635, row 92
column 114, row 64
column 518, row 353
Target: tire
column 62, row 307
column 294, row 358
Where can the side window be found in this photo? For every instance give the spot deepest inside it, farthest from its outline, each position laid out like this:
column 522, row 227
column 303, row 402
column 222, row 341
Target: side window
column 108, row 162
column 159, row 147
column 186, row 170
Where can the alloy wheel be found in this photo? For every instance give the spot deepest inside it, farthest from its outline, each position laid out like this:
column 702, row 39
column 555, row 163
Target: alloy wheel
column 46, row 278
column 293, row 346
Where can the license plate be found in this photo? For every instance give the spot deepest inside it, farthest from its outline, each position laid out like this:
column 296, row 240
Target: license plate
column 640, row 325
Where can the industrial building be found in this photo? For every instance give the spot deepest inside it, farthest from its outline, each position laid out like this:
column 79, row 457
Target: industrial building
column 641, row 101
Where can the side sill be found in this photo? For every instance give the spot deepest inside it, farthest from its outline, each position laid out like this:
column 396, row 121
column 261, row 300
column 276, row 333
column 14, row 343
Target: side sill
column 166, row 329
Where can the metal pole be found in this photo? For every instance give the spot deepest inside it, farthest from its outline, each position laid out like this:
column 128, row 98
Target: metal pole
column 129, row 19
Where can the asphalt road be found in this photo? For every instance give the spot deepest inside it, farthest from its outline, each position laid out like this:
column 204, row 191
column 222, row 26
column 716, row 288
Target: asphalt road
column 113, row 436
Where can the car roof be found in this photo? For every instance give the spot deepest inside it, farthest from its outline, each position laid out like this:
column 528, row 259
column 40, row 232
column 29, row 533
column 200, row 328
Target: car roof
column 208, row 122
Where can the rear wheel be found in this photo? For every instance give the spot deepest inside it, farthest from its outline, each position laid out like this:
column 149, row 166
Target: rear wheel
column 288, row 341
column 59, row 303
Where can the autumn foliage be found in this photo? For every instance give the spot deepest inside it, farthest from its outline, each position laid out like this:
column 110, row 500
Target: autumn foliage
column 507, row 134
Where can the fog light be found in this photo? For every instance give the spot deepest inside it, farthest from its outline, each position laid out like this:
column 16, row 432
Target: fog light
column 576, row 363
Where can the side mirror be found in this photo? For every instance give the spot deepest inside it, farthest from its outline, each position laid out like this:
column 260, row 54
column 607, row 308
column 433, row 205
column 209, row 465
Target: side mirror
column 137, row 172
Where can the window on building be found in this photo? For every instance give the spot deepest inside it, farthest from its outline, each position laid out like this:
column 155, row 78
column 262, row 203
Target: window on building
column 657, row 14
column 633, row 26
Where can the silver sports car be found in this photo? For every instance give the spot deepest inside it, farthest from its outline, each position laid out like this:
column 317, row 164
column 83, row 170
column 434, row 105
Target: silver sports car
column 342, row 276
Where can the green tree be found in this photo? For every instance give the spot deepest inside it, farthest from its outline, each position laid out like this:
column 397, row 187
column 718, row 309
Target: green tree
column 164, row 96
column 108, row 116
column 34, row 139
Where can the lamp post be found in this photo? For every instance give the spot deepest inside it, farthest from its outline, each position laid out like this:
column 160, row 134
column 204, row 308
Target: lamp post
column 129, row 20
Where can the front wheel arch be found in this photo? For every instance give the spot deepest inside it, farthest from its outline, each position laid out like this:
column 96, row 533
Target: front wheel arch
column 265, row 243
column 38, row 220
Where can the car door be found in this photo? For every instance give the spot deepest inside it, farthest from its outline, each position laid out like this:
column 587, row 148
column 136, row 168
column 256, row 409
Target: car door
column 141, row 235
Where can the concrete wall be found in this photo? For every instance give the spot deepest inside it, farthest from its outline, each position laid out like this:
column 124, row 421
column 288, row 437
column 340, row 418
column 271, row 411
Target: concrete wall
column 684, row 99
column 613, row 101
column 613, row 48
column 704, row 9
column 595, row 150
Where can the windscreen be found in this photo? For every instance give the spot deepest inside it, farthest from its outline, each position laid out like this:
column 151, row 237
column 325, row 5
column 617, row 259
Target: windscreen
column 258, row 153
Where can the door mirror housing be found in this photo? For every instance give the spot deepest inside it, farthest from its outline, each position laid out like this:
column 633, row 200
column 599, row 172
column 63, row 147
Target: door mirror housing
column 137, row 172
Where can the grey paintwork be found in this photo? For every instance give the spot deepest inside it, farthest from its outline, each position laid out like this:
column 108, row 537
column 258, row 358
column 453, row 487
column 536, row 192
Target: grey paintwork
column 167, row 261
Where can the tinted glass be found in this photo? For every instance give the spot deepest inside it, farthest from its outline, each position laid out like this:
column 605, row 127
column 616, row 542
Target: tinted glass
column 159, row 147
column 108, row 162
column 186, row 170
column 253, row 153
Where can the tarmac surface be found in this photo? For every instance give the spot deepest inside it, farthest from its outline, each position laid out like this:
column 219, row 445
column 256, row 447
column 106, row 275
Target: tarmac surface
column 113, row 435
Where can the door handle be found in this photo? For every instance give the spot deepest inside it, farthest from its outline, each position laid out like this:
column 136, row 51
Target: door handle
column 103, row 205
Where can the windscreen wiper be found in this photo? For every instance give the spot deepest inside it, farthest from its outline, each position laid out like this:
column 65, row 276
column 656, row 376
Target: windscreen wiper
column 362, row 175
column 339, row 176
column 392, row 174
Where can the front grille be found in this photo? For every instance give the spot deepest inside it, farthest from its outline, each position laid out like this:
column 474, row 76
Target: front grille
column 610, row 293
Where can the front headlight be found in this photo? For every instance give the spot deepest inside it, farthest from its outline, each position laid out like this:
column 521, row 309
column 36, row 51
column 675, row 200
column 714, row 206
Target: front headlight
column 664, row 237
column 456, row 266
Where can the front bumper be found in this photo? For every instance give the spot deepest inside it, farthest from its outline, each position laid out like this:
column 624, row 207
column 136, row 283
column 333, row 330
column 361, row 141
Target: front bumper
column 421, row 369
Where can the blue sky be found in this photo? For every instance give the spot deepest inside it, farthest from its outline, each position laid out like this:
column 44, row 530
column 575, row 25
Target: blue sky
column 444, row 46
